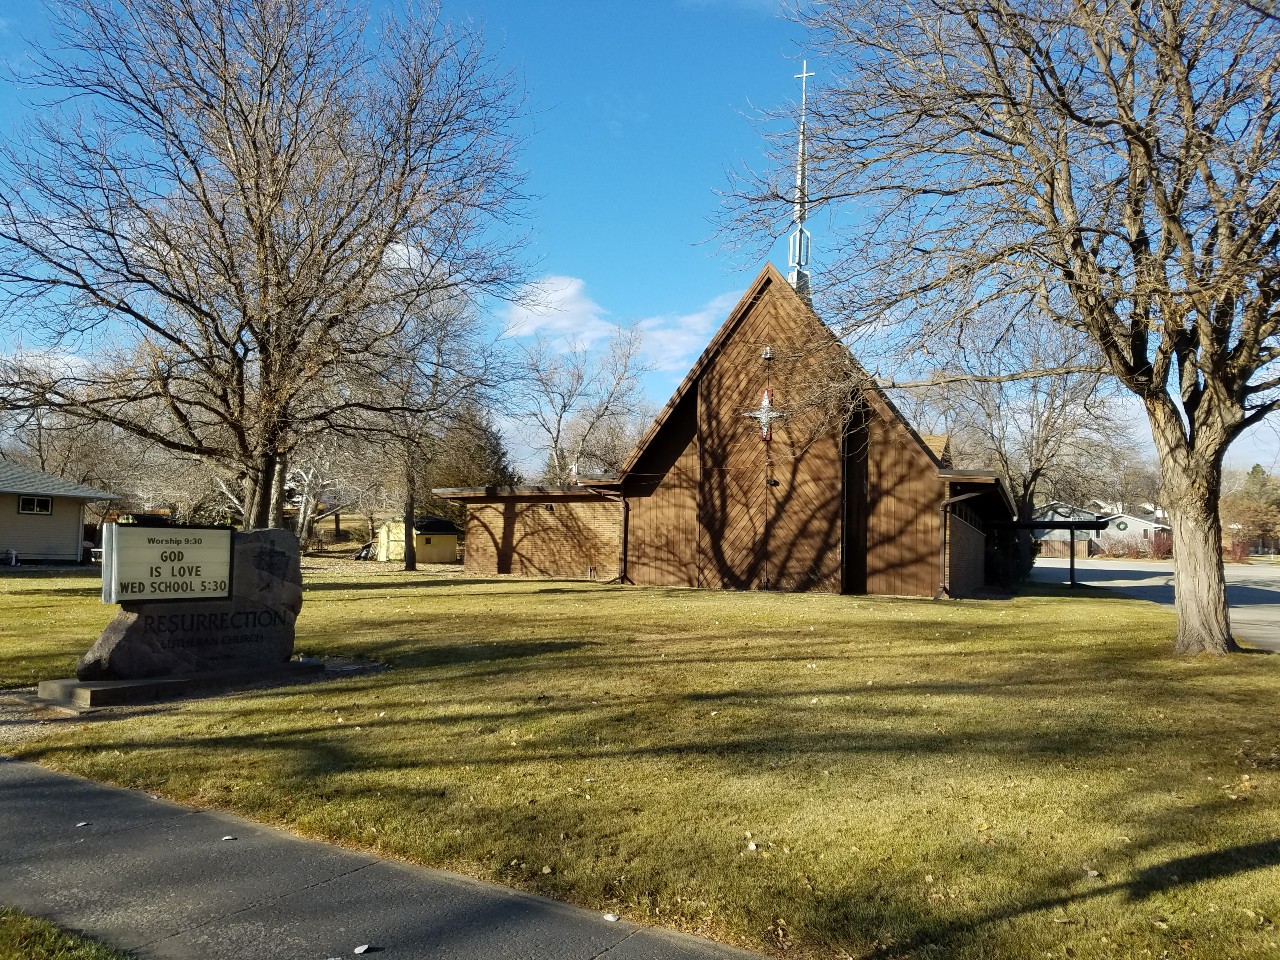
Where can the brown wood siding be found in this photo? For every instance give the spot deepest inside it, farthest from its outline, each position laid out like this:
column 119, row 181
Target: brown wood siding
column 744, row 534
column 699, row 509
column 662, row 497
column 904, row 495
column 564, row 537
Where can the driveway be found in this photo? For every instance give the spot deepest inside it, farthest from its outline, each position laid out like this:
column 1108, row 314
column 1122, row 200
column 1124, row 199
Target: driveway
column 1253, row 590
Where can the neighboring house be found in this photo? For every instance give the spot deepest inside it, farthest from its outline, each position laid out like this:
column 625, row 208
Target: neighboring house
column 42, row 516
column 1137, row 530
column 1129, row 529
column 435, row 540
column 1148, row 511
column 746, row 481
column 1057, row 543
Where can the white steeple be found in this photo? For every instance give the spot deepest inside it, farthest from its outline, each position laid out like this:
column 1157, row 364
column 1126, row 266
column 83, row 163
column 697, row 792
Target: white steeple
column 798, row 244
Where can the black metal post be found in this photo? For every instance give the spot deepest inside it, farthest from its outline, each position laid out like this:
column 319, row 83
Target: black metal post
column 1072, row 534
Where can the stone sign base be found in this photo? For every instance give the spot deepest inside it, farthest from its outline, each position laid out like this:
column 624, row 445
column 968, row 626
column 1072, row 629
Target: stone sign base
column 86, row 694
column 251, row 631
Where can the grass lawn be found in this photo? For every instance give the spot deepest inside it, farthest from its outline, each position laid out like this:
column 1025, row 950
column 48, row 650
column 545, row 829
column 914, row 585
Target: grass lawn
column 26, row 938
column 47, row 620
column 810, row 776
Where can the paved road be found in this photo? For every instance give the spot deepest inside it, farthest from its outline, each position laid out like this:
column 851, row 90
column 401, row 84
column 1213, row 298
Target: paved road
column 1253, row 590
column 160, row 880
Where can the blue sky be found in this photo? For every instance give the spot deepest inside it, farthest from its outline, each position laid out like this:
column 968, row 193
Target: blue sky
column 637, row 112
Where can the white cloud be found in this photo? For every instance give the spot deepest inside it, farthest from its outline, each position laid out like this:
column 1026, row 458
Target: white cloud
column 672, row 342
column 558, row 307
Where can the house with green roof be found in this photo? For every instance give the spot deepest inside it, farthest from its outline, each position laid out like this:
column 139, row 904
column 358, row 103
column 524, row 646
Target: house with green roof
column 41, row 515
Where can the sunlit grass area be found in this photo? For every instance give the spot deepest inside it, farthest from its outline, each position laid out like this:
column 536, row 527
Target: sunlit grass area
column 809, row 776
column 47, row 620
column 24, row 937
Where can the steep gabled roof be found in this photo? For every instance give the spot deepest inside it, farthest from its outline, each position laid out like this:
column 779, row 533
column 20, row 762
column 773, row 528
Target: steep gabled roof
column 770, row 279
column 15, row 478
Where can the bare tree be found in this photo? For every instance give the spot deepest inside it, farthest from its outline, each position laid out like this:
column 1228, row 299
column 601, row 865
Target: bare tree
column 1040, row 434
column 470, row 453
column 443, row 362
column 1113, row 165
column 603, row 449
column 223, row 206
column 332, row 475
column 144, row 474
column 1251, row 509
column 575, row 398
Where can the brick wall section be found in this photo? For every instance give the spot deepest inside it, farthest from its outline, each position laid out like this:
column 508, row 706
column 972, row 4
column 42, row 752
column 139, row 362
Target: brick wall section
column 966, row 557
column 562, row 537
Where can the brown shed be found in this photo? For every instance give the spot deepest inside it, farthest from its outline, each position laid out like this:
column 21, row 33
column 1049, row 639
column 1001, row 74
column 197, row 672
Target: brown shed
column 842, row 496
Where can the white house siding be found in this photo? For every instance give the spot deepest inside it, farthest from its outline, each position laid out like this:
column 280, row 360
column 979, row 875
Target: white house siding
column 1137, row 532
column 53, row 536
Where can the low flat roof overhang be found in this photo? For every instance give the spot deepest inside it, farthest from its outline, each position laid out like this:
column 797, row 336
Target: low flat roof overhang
column 603, row 488
column 988, row 477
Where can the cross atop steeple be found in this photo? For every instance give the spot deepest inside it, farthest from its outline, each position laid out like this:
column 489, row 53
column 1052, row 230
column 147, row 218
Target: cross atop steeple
column 798, row 243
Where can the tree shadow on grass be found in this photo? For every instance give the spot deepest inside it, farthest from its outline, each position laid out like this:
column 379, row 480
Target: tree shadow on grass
column 449, row 706
column 899, row 927
column 532, row 586
column 85, row 592
column 333, row 768
column 494, row 653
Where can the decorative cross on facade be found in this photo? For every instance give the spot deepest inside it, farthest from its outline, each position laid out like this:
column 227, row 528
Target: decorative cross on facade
column 766, row 415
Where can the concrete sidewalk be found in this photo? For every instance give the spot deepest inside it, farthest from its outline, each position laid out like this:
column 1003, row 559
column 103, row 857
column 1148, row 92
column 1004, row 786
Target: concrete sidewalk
column 159, row 880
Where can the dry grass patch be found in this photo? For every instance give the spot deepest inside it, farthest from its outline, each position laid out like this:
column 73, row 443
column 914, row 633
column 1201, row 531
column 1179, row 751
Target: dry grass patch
column 811, row 776
column 48, row 618
column 23, row 937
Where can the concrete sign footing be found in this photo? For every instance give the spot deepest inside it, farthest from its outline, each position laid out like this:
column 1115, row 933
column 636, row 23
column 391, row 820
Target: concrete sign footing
column 86, row 694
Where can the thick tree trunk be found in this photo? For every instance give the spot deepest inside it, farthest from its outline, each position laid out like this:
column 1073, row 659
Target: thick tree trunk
column 1200, row 589
column 410, row 540
column 1192, row 487
column 410, row 508
column 306, row 520
column 257, row 510
column 250, row 501
column 279, row 473
column 1025, row 558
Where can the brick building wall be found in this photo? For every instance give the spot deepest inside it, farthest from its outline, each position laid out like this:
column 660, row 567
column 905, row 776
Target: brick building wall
column 571, row 538
column 966, row 557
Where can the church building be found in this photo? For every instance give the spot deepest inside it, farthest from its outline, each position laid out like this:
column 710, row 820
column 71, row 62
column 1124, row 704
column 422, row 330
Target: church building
column 776, row 465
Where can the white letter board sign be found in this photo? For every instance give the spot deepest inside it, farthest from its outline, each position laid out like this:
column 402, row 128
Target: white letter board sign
column 165, row 563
